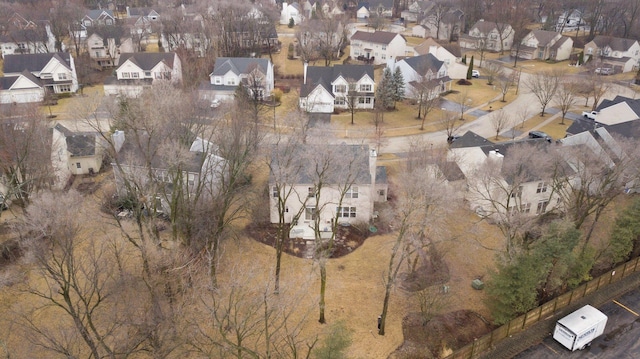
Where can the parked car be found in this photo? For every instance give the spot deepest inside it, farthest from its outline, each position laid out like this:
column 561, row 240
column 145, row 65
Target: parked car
column 590, row 114
column 215, row 103
column 539, row 134
column 604, row 71
column 475, row 73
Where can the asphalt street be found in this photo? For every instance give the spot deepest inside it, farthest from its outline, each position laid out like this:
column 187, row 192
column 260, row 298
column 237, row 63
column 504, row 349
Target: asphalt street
column 621, row 338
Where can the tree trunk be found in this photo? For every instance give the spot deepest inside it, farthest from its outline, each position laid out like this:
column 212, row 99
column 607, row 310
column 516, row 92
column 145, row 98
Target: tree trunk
column 323, row 287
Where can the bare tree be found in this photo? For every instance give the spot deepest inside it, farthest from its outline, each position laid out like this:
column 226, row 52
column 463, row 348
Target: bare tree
column 461, row 100
column 492, row 72
column 505, row 83
column 499, row 121
column 451, row 124
column 25, row 152
column 544, row 85
column 599, row 87
column 420, row 219
column 565, row 98
column 523, row 115
column 352, row 97
column 426, row 94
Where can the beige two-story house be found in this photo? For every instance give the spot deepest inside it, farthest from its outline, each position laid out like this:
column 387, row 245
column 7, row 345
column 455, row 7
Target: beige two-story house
column 622, row 55
column 378, row 47
column 142, row 69
column 544, row 45
column 488, row 35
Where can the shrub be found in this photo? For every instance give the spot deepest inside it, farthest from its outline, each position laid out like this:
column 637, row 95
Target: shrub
column 277, row 95
column 464, row 82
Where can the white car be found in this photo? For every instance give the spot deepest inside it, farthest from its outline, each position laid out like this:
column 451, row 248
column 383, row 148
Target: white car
column 215, row 103
column 475, row 73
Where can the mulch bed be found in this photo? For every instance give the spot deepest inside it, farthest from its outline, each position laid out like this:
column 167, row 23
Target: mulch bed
column 346, row 241
column 440, row 335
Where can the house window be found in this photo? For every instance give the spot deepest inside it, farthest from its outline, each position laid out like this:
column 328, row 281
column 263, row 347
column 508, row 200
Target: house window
column 365, row 88
column 64, row 88
column 352, row 192
column 542, row 207
column 191, row 180
column 78, row 165
column 517, row 193
column 525, row 208
column 46, row 75
column 384, row 57
column 542, row 187
column 346, row 212
column 147, row 74
column 218, row 81
column 62, row 76
column 125, row 75
column 310, row 213
column 341, row 88
column 231, row 82
column 312, row 192
column 381, row 192
column 364, row 100
column 109, row 22
column 274, row 192
column 339, row 101
column 384, row 47
column 135, row 75
column 97, row 53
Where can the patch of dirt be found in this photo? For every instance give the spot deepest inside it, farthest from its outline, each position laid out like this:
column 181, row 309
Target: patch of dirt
column 346, row 241
column 440, row 335
column 434, row 272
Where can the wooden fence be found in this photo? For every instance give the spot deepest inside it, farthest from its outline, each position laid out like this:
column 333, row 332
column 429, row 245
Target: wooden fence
column 545, row 311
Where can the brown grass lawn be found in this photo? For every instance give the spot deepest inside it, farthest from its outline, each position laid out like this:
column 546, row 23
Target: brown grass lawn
column 68, row 107
column 555, row 129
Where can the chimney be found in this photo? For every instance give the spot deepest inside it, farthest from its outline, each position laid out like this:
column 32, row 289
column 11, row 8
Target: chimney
column 304, row 81
column 118, row 140
column 284, row 6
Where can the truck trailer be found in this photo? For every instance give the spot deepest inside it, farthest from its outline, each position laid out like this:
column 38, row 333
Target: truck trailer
column 578, row 329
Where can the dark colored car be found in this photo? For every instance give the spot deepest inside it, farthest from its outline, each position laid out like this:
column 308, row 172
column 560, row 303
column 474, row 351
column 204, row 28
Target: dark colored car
column 539, row 134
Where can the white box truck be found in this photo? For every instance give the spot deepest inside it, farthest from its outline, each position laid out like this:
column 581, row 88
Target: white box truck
column 578, row 329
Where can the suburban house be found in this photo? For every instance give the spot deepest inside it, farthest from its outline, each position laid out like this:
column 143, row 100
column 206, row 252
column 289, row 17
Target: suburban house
column 442, row 26
column 56, row 71
column 488, row 35
column 201, row 167
column 617, row 113
column 378, row 47
column 571, row 21
column 185, row 29
column 27, row 41
column 368, row 185
column 448, row 53
column 106, row 43
column 228, row 72
column 622, row 55
column 545, row 45
column 381, row 8
column 23, row 88
column 362, row 10
column 420, row 73
column 291, row 11
column 92, row 18
column 325, row 89
column 142, row 69
column 416, row 10
column 494, row 194
column 142, row 20
column 76, row 153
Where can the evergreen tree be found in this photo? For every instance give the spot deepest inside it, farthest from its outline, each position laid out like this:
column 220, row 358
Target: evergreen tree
column 398, row 86
column 470, row 69
column 581, row 58
column 625, row 236
column 291, row 23
column 464, row 59
column 384, row 93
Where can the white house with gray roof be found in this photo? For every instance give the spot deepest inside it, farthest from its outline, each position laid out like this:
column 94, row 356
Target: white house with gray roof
column 23, row 88
column 623, row 55
column 142, row 69
column 229, row 72
column 379, row 46
column 420, row 71
column 325, row 89
column 75, row 153
column 291, row 11
column 544, row 45
column 367, row 184
column 488, row 35
column 56, row 71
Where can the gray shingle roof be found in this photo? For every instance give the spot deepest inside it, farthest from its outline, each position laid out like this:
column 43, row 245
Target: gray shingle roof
column 378, row 37
column 544, row 37
column 79, row 144
column 616, row 43
column 485, row 27
column 239, row 65
column 7, row 82
column 26, row 35
column 347, row 158
column 324, row 76
column 421, row 64
column 147, row 60
column 34, row 62
column 470, row 139
column 95, row 14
